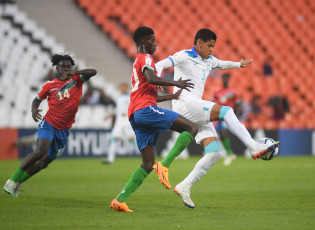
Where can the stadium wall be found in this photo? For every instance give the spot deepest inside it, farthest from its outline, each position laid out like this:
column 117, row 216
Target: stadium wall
column 95, row 142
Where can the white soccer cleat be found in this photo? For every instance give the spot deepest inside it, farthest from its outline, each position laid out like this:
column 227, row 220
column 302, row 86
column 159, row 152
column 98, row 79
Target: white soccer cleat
column 262, row 149
column 184, row 192
column 227, row 160
column 12, row 188
column 16, row 190
column 9, row 186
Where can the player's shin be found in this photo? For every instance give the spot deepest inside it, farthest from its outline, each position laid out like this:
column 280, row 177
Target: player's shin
column 112, row 150
column 213, row 154
column 236, row 127
column 133, row 184
column 19, row 175
column 181, row 143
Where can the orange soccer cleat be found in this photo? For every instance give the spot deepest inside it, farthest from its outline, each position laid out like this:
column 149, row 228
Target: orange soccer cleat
column 162, row 172
column 120, row 207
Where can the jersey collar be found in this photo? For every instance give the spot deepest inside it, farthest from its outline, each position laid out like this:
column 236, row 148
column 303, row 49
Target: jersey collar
column 193, row 50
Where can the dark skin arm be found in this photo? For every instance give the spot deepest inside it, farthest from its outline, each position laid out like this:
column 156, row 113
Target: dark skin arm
column 35, row 111
column 87, row 74
column 174, row 96
column 155, row 80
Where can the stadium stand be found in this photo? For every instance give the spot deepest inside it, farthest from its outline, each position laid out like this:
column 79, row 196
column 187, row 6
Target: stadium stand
column 25, row 60
column 263, row 30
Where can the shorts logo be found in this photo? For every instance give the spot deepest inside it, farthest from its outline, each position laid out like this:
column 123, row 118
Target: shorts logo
column 42, row 124
column 155, row 110
column 59, row 152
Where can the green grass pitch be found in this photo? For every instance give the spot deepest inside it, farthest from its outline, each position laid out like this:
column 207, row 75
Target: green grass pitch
column 76, row 193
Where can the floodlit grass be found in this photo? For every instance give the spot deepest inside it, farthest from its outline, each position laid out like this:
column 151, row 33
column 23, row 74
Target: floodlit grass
column 76, row 193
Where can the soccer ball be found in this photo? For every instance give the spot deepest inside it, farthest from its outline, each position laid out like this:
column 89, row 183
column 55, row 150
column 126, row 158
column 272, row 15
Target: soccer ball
column 268, row 156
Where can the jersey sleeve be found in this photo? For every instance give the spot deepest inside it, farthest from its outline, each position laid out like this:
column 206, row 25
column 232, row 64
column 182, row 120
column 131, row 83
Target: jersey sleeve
column 215, row 62
column 178, row 58
column 42, row 95
column 147, row 62
column 79, row 78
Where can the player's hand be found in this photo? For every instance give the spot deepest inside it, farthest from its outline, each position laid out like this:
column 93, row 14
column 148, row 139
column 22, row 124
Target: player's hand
column 177, row 94
column 67, row 76
column 245, row 63
column 161, row 88
column 185, row 84
column 36, row 115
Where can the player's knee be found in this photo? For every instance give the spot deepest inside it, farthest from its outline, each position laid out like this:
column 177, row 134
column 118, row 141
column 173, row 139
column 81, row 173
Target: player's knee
column 194, row 130
column 39, row 153
column 43, row 165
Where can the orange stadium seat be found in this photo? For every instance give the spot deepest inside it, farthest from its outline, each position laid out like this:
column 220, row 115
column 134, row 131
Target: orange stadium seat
column 267, row 30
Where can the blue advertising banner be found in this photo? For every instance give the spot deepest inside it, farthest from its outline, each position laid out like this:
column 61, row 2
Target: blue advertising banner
column 81, row 143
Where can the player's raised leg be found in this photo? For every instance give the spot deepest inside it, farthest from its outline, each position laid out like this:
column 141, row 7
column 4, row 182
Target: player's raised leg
column 226, row 114
column 188, row 131
column 136, row 179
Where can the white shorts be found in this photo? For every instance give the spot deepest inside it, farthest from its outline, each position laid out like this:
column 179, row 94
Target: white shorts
column 197, row 111
column 123, row 129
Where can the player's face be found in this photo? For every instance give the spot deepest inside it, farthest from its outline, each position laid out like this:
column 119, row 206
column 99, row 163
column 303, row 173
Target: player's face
column 150, row 44
column 205, row 49
column 124, row 89
column 63, row 67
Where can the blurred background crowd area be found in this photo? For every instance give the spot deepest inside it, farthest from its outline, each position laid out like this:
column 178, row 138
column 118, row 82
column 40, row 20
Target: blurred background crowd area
column 277, row 89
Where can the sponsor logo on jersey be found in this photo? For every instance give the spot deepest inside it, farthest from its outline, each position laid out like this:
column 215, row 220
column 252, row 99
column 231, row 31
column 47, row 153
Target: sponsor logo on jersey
column 148, row 61
column 68, row 85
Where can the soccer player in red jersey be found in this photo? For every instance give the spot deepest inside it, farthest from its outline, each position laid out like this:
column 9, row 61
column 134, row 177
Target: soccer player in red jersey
column 148, row 120
column 226, row 96
column 63, row 95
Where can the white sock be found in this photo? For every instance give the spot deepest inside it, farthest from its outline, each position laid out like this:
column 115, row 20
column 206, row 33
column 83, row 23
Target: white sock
column 201, row 168
column 112, row 151
column 239, row 130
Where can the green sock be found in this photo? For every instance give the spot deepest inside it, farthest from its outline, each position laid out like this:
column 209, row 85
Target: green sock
column 134, row 182
column 18, row 174
column 181, row 143
column 227, row 145
column 24, row 177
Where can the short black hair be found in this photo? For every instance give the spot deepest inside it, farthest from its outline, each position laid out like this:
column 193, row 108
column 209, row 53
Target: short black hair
column 140, row 32
column 205, row 35
column 55, row 59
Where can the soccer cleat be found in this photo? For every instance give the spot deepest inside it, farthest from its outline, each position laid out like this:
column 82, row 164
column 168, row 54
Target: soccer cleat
column 227, row 160
column 184, row 192
column 16, row 190
column 264, row 149
column 162, row 172
column 9, row 187
column 119, row 206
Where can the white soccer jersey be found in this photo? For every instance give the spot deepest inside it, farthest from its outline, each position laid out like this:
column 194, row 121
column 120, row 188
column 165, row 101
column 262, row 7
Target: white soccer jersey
column 188, row 64
column 122, row 104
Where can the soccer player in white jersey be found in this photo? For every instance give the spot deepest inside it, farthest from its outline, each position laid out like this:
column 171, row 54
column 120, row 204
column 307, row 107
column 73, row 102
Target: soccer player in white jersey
column 195, row 64
column 122, row 128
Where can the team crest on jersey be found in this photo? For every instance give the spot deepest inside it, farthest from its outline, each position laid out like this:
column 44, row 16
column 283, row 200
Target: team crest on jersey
column 148, row 60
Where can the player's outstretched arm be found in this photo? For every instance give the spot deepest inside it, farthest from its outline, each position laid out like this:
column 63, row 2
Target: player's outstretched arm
column 174, row 96
column 35, row 111
column 87, row 74
column 245, row 63
column 230, row 64
column 155, row 80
